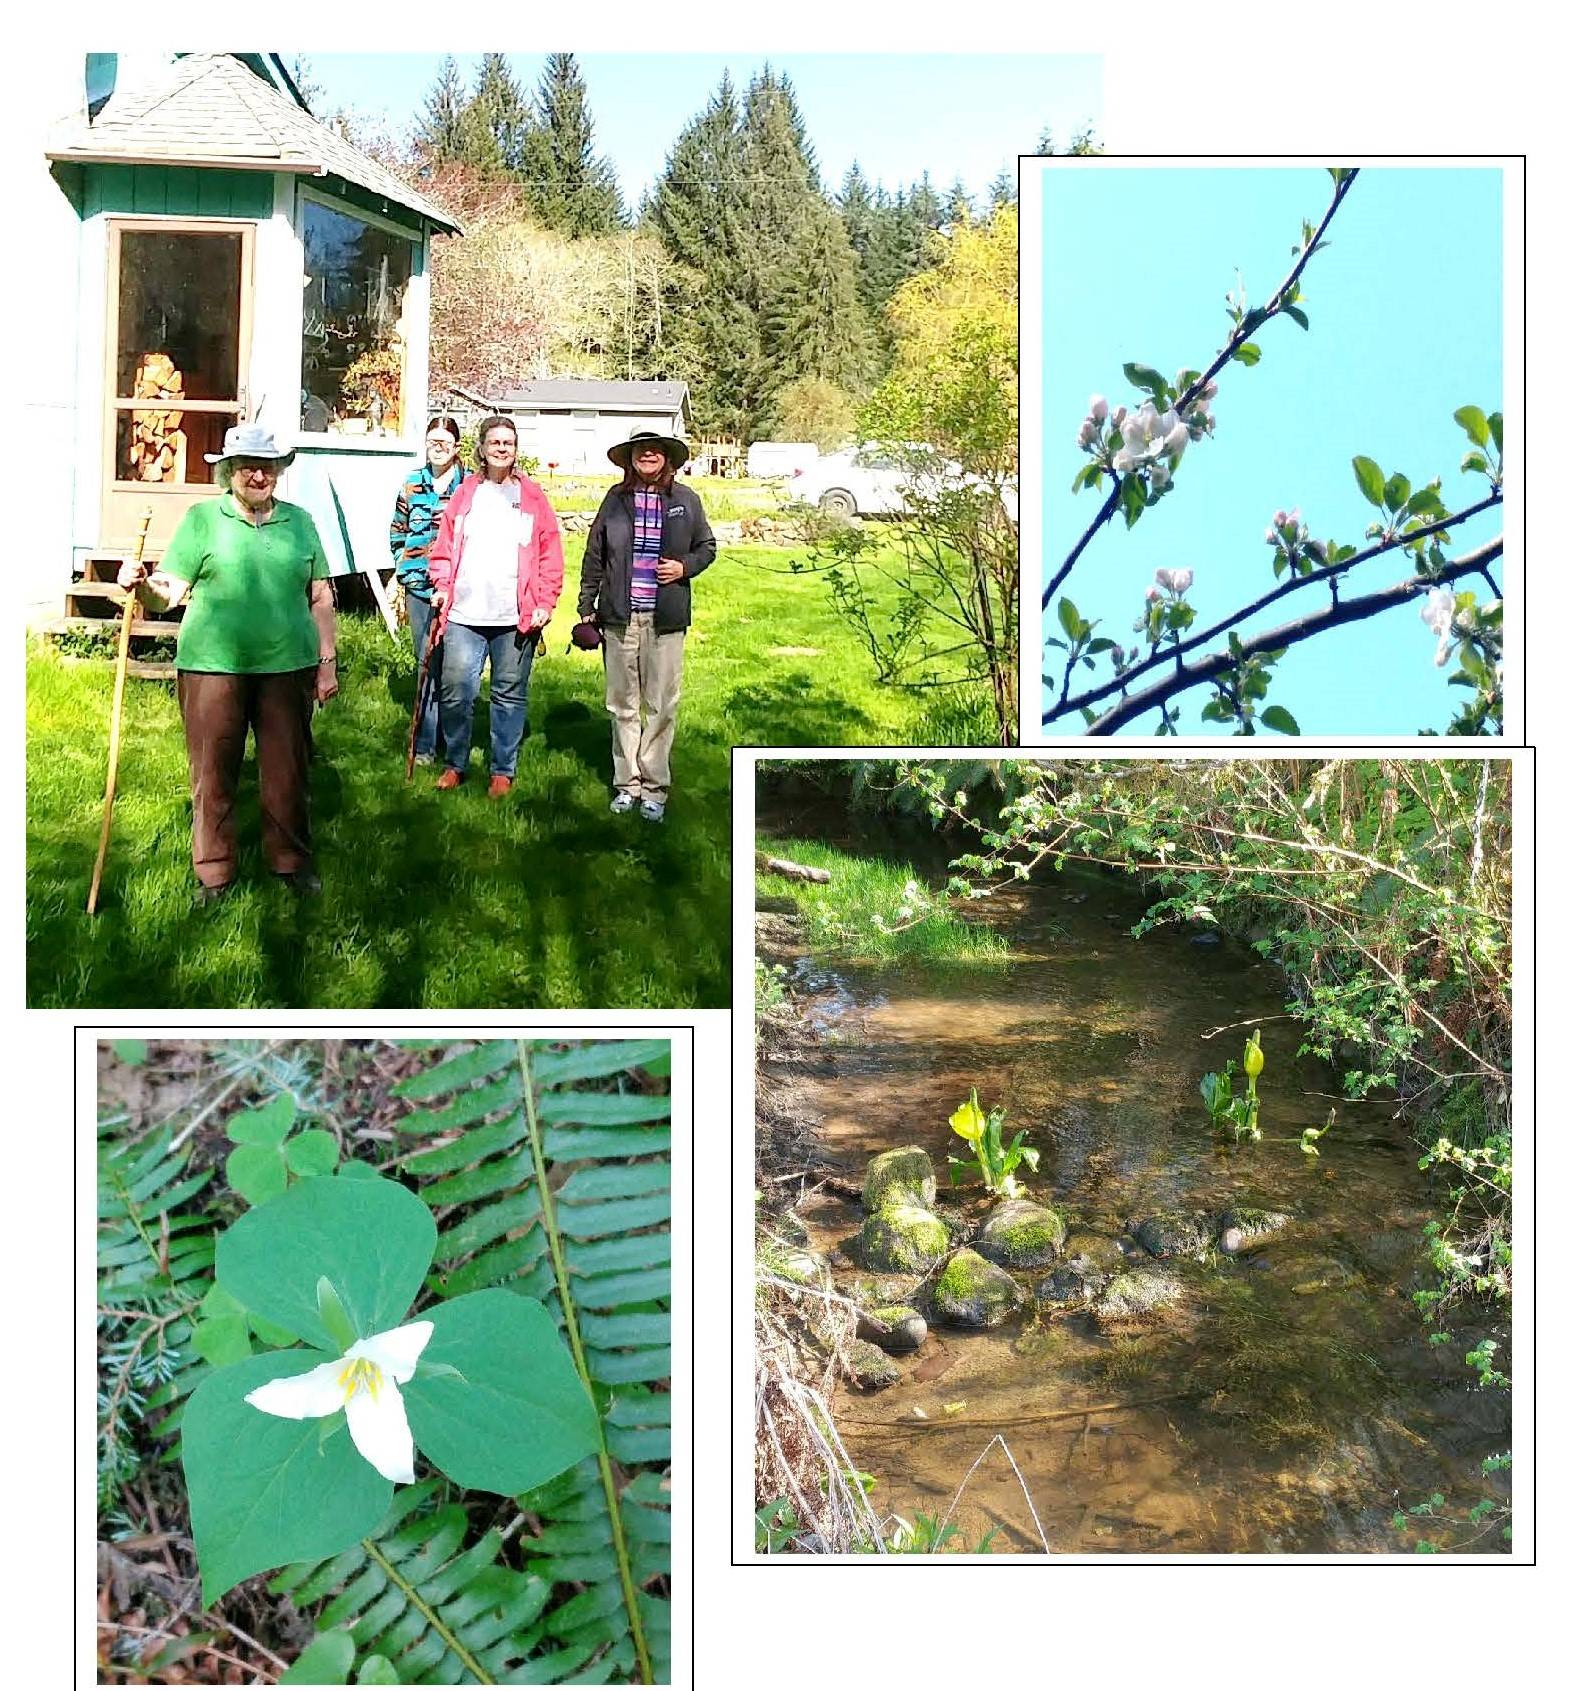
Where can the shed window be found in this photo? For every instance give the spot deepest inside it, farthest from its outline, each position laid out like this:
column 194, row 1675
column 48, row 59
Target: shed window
column 353, row 362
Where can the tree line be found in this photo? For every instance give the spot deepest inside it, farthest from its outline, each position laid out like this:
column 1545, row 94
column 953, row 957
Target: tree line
column 740, row 272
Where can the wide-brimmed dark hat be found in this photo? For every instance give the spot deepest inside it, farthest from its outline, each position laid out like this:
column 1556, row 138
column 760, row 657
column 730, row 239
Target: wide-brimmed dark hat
column 622, row 453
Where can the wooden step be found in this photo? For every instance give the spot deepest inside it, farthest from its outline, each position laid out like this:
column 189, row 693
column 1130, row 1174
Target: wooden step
column 141, row 627
column 139, row 669
column 103, row 599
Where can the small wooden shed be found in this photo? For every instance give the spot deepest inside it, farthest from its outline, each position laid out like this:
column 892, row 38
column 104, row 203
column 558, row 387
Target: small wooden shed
column 226, row 257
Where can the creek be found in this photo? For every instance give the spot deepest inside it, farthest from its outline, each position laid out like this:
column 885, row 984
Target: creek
column 1293, row 1401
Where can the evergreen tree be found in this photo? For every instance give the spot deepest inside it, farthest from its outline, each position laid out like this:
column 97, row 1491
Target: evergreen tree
column 494, row 126
column 698, row 208
column 958, row 208
column 1002, row 190
column 859, row 209
column 438, row 133
column 570, row 187
column 815, row 327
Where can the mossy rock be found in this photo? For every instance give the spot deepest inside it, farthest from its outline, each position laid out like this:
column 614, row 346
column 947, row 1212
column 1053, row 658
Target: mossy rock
column 790, row 1262
column 973, row 1292
column 903, row 1238
column 1174, row 1233
column 1241, row 1226
column 905, row 1174
column 897, row 1328
column 1137, row 1298
column 1021, row 1234
column 1100, row 1250
column 871, row 1369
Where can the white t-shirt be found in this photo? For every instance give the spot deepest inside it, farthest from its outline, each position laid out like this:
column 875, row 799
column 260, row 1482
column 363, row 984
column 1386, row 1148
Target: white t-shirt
column 486, row 593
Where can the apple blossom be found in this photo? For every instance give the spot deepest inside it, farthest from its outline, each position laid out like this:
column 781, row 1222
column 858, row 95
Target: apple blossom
column 1098, row 409
column 1176, row 581
column 1436, row 613
column 1088, row 433
column 363, row 1383
column 1119, row 415
column 1161, row 476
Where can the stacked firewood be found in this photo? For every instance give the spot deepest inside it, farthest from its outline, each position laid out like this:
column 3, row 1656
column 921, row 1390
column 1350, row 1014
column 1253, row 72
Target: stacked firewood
column 158, row 443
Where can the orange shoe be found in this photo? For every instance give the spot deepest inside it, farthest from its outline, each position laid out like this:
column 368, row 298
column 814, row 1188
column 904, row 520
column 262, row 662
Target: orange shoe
column 449, row 779
column 500, row 786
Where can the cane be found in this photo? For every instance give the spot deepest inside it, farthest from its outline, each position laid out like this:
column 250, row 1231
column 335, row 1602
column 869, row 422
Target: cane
column 127, row 616
column 432, row 638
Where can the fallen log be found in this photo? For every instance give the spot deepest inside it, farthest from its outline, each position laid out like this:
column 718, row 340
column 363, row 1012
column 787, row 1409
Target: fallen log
column 788, row 870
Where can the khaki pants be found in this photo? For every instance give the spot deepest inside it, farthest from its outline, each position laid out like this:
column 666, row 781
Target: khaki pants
column 217, row 710
column 642, row 668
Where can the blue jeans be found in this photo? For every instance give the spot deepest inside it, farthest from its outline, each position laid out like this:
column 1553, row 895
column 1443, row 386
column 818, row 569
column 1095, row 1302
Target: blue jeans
column 511, row 655
column 420, row 615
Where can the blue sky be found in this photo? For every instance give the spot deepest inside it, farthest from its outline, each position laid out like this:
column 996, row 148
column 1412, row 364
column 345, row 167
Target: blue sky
column 1405, row 326
column 896, row 114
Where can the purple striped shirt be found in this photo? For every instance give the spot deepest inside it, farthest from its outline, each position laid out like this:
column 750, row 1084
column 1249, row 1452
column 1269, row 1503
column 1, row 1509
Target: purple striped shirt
column 646, row 546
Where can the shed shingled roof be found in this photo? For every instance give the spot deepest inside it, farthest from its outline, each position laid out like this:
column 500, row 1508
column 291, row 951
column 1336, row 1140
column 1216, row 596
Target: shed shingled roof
column 584, row 391
column 209, row 110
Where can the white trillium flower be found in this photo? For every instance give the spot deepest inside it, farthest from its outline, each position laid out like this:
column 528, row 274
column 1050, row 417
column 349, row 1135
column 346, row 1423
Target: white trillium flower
column 363, row 1383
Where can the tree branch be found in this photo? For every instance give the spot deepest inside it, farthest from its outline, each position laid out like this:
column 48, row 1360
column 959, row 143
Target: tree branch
column 1230, row 346
column 1289, row 634
column 1295, row 584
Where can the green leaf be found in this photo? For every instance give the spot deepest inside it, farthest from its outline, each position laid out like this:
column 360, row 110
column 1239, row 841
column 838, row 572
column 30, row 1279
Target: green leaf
column 373, row 1239
column 335, row 1320
column 256, row 1172
column 1426, row 503
column 1476, row 461
column 377, row 1670
column 358, row 1171
column 223, row 1341
column 1145, row 377
column 1367, row 472
column 1298, row 315
column 1098, row 646
column 1395, row 493
column 1274, row 716
column 130, row 1051
column 1132, row 498
column 265, row 1490
column 324, row 1661
column 521, row 1414
column 1248, row 353
column 265, row 1126
column 313, row 1152
column 1496, row 428
column 1069, row 619
column 1473, row 423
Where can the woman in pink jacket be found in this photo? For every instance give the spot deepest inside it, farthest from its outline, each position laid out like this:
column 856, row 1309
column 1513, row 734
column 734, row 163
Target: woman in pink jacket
column 496, row 571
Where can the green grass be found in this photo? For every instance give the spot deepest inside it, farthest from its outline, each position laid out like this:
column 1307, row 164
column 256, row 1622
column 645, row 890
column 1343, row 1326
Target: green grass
column 436, row 901
column 724, row 500
column 843, row 916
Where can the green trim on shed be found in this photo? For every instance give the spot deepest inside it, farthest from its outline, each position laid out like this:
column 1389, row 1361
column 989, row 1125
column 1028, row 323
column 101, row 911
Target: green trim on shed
column 176, row 190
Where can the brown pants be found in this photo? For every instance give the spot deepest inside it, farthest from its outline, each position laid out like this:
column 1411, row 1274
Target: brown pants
column 217, row 711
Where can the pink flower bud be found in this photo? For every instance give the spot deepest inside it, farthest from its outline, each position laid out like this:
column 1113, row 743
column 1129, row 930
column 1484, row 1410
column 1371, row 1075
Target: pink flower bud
column 1099, row 408
column 1152, row 593
column 1279, row 518
column 1118, row 416
column 1087, row 434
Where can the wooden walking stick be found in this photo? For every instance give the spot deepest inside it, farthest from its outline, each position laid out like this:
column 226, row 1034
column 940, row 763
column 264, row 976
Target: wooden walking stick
column 420, row 692
column 127, row 617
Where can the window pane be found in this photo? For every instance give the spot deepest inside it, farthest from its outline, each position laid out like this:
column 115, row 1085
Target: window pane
column 167, row 446
column 353, row 365
column 179, row 315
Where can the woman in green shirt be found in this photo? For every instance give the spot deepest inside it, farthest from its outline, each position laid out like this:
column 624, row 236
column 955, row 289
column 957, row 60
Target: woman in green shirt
column 257, row 651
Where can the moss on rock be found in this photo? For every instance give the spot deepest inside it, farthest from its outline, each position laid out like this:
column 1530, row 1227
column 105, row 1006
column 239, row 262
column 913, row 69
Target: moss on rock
column 901, row 1175
column 1174, row 1233
column 1137, row 1298
column 902, row 1238
column 1021, row 1234
column 896, row 1328
column 871, row 1369
column 973, row 1292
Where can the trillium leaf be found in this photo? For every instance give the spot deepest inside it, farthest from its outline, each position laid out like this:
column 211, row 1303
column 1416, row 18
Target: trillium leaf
column 256, row 1172
column 519, row 1415
column 222, row 1341
column 371, row 1238
column 265, row 1126
column 265, row 1491
column 313, row 1152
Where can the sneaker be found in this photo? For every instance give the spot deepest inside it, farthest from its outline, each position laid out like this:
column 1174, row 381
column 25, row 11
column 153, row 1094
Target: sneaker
column 653, row 810
column 449, row 779
column 622, row 803
column 425, row 759
column 500, row 785
column 305, row 883
column 211, row 895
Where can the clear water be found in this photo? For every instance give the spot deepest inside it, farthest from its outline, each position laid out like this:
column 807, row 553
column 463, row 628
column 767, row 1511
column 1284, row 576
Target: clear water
column 1295, row 1402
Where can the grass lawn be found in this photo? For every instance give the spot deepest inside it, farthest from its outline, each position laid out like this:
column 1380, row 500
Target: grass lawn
column 443, row 900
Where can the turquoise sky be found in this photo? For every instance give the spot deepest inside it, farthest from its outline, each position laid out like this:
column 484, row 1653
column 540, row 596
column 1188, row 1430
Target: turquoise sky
column 953, row 114
column 1405, row 326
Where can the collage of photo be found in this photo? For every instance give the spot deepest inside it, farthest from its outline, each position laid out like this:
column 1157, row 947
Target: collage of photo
column 577, row 610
